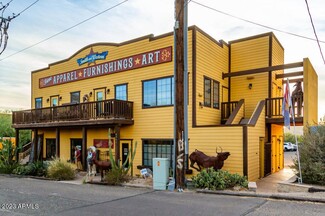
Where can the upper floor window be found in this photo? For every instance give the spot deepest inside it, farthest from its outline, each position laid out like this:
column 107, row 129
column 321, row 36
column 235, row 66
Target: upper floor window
column 38, row 103
column 75, row 97
column 216, row 94
column 211, row 93
column 121, row 92
column 158, row 92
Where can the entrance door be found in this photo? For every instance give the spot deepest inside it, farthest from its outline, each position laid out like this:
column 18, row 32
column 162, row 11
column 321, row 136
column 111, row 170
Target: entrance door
column 54, row 104
column 50, row 148
column 73, row 143
column 99, row 94
column 126, row 148
column 125, row 151
column 54, row 101
column 262, row 157
column 267, row 159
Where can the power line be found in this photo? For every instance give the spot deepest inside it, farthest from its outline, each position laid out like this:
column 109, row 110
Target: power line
column 15, row 15
column 46, row 39
column 27, row 8
column 255, row 23
column 312, row 23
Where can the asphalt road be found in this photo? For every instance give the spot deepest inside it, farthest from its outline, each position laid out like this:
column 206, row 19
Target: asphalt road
column 24, row 196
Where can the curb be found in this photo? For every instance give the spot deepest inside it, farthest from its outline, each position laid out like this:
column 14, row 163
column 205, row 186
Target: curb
column 261, row 195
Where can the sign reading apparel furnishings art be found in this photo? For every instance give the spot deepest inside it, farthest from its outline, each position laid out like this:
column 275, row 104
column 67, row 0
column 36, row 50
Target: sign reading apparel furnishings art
column 128, row 63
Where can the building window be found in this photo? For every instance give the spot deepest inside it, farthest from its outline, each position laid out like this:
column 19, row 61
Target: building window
column 75, row 97
column 38, row 103
column 156, row 149
column 158, row 92
column 216, row 94
column 207, row 92
column 211, row 93
column 121, row 92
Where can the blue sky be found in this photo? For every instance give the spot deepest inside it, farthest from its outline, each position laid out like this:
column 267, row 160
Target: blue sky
column 136, row 18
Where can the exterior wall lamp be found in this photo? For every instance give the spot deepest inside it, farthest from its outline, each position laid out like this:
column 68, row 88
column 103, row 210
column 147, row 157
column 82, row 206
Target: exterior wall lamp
column 108, row 90
column 60, row 98
column 90, row 94
column 48, row 100
column 250, row 86
column 201, row 105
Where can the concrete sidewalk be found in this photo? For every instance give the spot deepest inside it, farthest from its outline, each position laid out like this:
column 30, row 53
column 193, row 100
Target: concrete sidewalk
column 279, row 185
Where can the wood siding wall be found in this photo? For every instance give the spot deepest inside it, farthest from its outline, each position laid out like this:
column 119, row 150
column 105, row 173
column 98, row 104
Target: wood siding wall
column 310, row 93
column 253, row 147
column 247, row 54
column 211, row 61
column 152, row 123
column 277, row 59
column 207, row 139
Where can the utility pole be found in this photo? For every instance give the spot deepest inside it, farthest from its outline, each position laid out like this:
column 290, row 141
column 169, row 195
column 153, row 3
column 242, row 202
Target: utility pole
column 179, row 140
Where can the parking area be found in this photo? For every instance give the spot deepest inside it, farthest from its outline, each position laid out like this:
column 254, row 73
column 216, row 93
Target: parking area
column 289, row 156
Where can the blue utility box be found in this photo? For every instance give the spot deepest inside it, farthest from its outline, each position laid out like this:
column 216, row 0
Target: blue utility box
column 160, row 173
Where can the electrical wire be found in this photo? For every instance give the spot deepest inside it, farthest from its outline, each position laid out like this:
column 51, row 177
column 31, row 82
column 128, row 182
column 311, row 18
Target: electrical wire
column 27, row 8
column 65, row 30
column 15, row 15
column 312, row 23
column 255, row 23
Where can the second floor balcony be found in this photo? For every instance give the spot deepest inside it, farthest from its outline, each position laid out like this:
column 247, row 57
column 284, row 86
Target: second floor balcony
column 273, row 110
column 89, row 113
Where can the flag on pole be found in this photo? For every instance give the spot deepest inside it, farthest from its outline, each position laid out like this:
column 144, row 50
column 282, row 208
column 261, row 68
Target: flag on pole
column 286, row 106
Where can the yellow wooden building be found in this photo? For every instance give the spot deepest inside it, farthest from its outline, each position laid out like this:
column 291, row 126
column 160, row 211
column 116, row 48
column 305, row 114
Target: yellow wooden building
column 235, row 101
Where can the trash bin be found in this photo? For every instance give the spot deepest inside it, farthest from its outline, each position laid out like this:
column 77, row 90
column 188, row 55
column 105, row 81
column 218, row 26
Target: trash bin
column 160, row 173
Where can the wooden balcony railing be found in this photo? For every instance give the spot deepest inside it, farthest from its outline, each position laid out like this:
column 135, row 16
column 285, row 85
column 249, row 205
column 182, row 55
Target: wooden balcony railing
column 107, row 109
column 274, row 107
column 227, row 108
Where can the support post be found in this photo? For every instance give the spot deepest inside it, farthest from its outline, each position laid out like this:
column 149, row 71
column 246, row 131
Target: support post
column 84, row 148
column 35, row 141
column 179, row 89
column 117, row 144
column 17, row 145
column 57, row 143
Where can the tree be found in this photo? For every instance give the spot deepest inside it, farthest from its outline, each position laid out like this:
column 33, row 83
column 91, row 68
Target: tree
column 312, row 156
column 289, row 137
column 7, row 131
column 5, row 126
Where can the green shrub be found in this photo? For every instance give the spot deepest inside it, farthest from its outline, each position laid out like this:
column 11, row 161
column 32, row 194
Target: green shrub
column 119, row 172
column 312, row 156
column 7, row 156
column 8, row 168
column 37, row 168
column 60, row 170
column 218, row 180
column 116, row 176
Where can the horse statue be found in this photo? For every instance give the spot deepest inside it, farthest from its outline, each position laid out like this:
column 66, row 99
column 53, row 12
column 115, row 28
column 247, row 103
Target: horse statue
column 102, row 165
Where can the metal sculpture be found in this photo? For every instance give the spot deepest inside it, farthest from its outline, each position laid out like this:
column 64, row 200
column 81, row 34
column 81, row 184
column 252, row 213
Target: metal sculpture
column 205, row 161
column 297, row 98
column 102, row 165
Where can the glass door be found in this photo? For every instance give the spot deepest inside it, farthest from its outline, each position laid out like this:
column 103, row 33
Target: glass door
column 99, row 97
column 54, row 104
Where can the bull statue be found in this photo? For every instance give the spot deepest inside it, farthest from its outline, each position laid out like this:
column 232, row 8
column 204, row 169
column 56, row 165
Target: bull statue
column 205, row 161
